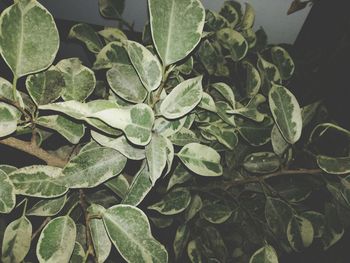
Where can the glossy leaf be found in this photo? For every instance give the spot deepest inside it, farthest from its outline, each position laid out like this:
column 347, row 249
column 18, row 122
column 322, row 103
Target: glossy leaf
column 87, row 35
column 234, row 42
column 262, row 162
column 331, row 165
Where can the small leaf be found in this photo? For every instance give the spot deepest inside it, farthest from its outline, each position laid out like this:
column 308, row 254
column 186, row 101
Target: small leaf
column 283, row 61
column 261, row 162
column 112, row 54
column 57, row 240
column 234, row 42
column 91, row 168
column 251, row 110
column 130, row 232
column 87, row 35
column 256, row 134
column 201, row 159
column 226, row 92
column 216, row 213
column 166, row 127
column 207, row 102
column 186, row 67
column 47, row 207
column 317, row 220
column 253, row 80
column 331, row 165
column 286, row 112
column 268, row 71
column 100, row 239
column 182, row 99
column 111, row 9
column 8, row 120
column 111, row 34
column 173, row 202
column 179, row 176
column 279, row 144
column 231, row 10
column 248, row 18
column 193, row 252
column 7, row 193
column 214, row 21
column 80, row 80
column 38, row 181
column 300, row 233
column 208, row 56
column 119, row 185
column 178, row 32
column 181, row 238
column 156, row 156
column 266, row 254
column 183, row 137
column 193, row 208
column 17, row 239
column 78, row 254
column 29, row 38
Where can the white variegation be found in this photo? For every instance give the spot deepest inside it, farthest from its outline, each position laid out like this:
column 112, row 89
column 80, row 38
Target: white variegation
column 87, row 35
column 156, row 155
column 47, row 207
column 266, row 254
column 226, row 91
column 234, row 42
column 300, row 233
column 100, row 240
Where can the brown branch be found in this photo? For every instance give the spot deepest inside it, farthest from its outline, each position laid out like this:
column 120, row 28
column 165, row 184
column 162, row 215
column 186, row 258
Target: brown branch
column 43, row 224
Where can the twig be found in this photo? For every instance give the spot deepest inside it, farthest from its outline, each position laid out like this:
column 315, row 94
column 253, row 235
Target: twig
column 43, row 224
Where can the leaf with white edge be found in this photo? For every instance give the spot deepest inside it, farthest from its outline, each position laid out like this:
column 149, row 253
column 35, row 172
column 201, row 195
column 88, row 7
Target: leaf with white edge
column 100, row 240
column 334, row 229
column 87, row 35
column 256, row 134
column 139, row 187
column 170, row 154
column 251, row 110
column 8, row 120
column 136, row 122
column 161, row 221
column 166, row 127
column 216, row 213
column 300, row 233
column 226, row 92
column 266, row 254
column 57, row 240
column 194, row 207
column 17, row 239
column 173, row 202
column 214, row 21
column 78, row 254
column 7, row 193
column 70, row 130
column 248, row 18
column 7, row 169
column 262, row 162
column 182, row 99
column 119, row 185
column 179, row 176
column 29, row 38
column 269, row 71
column 156, row 156
column 207, row 102
column 231, row 11
column 6, row 91
column 91, row 168
column 176, row 27
column 234, row 42
column 201, row 159
column 283, row 62
column 45, row 87
column 193, row 252
column 279, row 144
column 111, row 34
column 225, row 134
column 181, row 238
column 322, row 128
column 112, row 54
column 317, row 220
column 183, row 137
column 308, row 112
column 334, row 165
column 208, row 56
column 286, row 112
column 38, row 181
column 125, row 82
column 130, row 232
column 47, row 207
column 119, row 144
column 186, row 67
column 79, row 80
column 250, row 36
column 111, row 8
column 146, row 64
column 253, row 79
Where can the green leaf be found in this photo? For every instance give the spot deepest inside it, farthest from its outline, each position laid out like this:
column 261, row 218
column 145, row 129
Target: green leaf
column 162, row 221
column 317, row 220
column 248, row 18
column 8, row 120
column 125, row 82
column 17, row 239
column 283, row 61
column 47, row 207
column 251, row 111
column 130, row 232
column 78, row 255
column 193, row 252
column 226, row 92
column 231, row 10
column 91, row 168
column 201, row 159
column 308, row 112
column 57, row 240
column 234, row 42
column 166, row 127
column 193, row 208
column 38, row 181
column 45, row 87
column 70, row 130
column 186, row 67
column 146, row 64
column 262, row 162
column 279, row 144
column 181, row 238
column 266, row 254
column 286, row 112
column 119, row 185
column 29, row 38
column 80, row 80
column 183, row 137
column 332, row 165
column 120, row 144
column 207, row 102
column 208, row 56
column 216, row 213
column 176, row 27
column 7, row 169
column 139, row 187
column 173, row 202
column 111, row 8
column 182, row 99
column 87, row 35
column 100, row 239
column 179, row 176
column 214, row 21
column 224, row 133
column 300, row 233
column 170, row 154
column 253, row 80
column 268, row 71
column 256, row 134
column 156, row 156
column 136, row 122
column 112, row 54
column 7, row 193
column 111, row 34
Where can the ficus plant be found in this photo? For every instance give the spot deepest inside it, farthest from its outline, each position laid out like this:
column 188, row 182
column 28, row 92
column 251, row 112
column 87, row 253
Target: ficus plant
column 186, row 147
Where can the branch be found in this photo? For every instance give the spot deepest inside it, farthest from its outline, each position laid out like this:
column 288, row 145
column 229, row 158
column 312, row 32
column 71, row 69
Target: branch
column 43, row 224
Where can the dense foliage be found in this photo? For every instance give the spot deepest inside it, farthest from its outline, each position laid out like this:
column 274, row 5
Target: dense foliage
column 193, row 130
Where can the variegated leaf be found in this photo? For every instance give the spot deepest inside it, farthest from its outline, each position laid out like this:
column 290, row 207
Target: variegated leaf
column 266, row 254
column 261, row 162
column 87, row 35
column 156, row 156
column 334, row 165
column 234, row 42
column 300, row 233
column 283, row 61
column 47, row 207
column 112, row 54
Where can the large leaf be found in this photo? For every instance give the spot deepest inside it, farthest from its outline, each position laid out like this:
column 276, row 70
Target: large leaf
column 87, row 35
column 8, row 120
column 130, row 232
column 201, row 159
column 136, row 122
column 29, row 38
column 146, row 65
column 266, row 254
column 7, row 193
column 100, row 239
column 182, row 99
column 38, row 181
column 156, row 155
column 234, row 42
column 79, row 80
column 17, row 239
column 57, row 240
column 176, row 27
column 125, row 82
column 91, row 168
column 286, row 112
column 300, row 233
column 332, row 165
column 46, row 86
